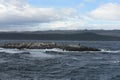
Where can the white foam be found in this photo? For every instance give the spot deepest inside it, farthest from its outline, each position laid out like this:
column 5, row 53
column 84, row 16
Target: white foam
column 40, row 55
column 33, row 52
column 44, row 50
column 11, row 50
column 116, row 61
column 29, row 50
column 110, row 51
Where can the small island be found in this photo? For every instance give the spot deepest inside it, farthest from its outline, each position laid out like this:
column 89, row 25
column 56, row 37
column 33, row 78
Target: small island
column 31, row 45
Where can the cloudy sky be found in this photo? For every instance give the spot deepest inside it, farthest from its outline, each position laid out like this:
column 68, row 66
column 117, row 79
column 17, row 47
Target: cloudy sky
column 34, row 15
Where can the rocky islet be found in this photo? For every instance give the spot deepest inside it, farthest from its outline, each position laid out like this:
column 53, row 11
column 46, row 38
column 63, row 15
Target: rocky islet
column 49, row 46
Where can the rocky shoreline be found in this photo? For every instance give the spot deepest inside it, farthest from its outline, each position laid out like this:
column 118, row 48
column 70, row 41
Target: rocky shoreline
column 49, row 46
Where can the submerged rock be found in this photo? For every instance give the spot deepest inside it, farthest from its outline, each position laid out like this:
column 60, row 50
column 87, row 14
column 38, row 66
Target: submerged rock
column 48, row 46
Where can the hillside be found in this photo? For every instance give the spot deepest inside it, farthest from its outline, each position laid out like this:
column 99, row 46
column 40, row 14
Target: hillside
column 100, row 32
column 83, row 36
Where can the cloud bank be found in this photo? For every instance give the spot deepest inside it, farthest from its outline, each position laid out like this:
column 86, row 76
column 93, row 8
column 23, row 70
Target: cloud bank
column 109, row 11
column 19, row 15
column 14, row 13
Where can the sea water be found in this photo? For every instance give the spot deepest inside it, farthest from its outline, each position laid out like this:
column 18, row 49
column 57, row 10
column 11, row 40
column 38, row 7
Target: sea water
column 56, row 64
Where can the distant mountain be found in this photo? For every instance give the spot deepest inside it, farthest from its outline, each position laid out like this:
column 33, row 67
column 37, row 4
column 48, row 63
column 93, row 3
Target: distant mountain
column 100, row 32
column 83, row 36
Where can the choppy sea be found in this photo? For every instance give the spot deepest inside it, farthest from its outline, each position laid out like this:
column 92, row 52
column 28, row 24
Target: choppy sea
column 56, row 64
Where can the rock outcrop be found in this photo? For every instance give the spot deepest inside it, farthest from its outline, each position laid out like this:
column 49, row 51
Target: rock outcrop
column 48, row 46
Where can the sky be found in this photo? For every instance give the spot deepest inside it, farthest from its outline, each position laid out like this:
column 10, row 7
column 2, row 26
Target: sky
column 39, row 15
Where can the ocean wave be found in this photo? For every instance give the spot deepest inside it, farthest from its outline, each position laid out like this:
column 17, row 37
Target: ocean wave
column 8, row 50
column 110, row 51
column 41, row 53
column 11, row 50
column 44, row 50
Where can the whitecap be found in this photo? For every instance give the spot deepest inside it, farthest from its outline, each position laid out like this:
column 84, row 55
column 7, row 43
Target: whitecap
column 33, row 52
column 116, row 61
column 44, row 50
column 40, row 55
column 11, row 50
column 110, row 51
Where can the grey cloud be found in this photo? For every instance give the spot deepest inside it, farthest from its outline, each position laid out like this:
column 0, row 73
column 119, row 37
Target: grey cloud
column 16, row 12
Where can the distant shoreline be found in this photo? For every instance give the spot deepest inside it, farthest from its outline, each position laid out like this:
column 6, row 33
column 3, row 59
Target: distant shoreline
column 71, row 37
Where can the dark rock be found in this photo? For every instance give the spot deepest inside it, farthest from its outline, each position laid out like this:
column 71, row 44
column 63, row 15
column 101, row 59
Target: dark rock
column 48, row 46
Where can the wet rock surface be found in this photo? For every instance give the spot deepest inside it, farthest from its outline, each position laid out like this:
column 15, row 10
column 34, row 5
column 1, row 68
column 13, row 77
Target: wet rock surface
column 48, row 46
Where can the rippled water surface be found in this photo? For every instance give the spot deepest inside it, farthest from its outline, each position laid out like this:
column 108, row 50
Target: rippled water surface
column 56, row 64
